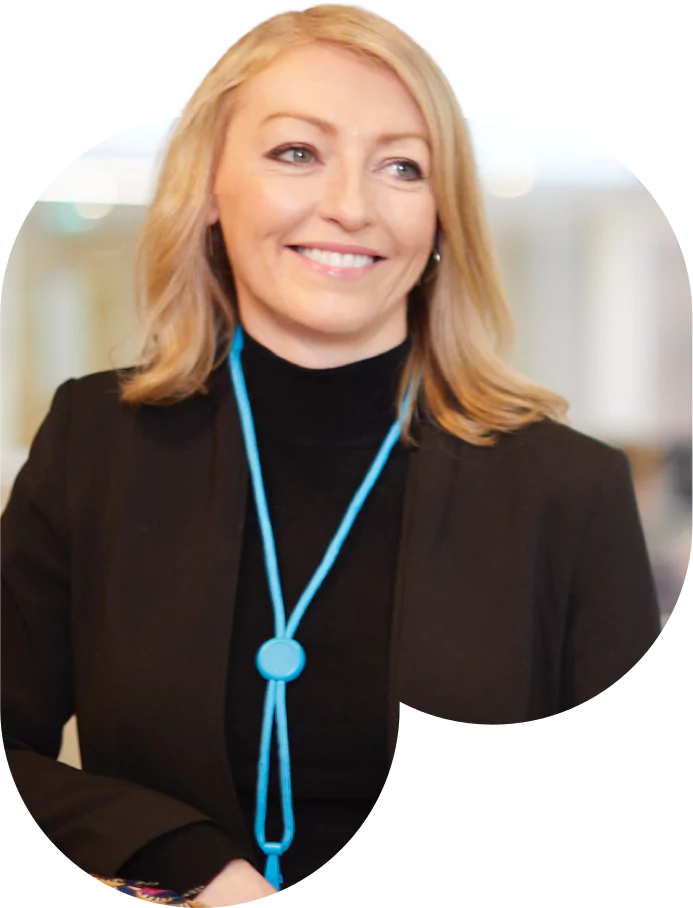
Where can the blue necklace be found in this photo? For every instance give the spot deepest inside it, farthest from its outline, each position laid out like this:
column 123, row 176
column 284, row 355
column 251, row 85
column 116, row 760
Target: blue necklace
column 282, row 658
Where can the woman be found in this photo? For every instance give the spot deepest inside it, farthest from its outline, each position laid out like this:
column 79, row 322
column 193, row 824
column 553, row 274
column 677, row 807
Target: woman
column 492, row 571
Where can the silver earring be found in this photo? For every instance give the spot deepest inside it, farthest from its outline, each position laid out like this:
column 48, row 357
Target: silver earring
column 435, row 258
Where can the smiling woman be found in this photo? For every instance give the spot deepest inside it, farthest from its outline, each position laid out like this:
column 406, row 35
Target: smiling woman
column 319, row 492
column 281, row 121
column 358, row 176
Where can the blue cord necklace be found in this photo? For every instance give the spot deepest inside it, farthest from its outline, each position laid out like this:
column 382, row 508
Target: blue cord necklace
column 281, row 658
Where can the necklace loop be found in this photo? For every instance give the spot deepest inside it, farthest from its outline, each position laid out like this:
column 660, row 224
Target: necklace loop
column 281, row 658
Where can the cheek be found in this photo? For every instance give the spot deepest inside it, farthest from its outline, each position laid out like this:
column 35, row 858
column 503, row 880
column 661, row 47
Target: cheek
column 412, row 222
column 274, row 202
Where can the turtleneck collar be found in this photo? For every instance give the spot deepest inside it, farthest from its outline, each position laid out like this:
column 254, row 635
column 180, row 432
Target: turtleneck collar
column 354, row 403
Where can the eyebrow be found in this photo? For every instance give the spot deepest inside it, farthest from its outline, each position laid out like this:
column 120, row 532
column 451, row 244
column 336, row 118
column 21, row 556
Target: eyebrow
column 324, row 125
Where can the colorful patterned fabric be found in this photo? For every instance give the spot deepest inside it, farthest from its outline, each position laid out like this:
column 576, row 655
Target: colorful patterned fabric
column 150, row 892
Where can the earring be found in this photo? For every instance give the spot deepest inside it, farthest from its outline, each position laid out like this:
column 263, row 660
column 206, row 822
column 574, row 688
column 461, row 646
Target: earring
column 435, row 258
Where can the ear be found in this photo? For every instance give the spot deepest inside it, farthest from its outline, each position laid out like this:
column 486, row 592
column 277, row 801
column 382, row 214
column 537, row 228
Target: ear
column 212, row 210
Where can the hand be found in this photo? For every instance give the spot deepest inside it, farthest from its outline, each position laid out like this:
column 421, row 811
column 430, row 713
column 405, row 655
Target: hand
column 237, row 883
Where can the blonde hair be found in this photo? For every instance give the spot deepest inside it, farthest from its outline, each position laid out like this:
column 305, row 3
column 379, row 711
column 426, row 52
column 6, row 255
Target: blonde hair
column 459, row 322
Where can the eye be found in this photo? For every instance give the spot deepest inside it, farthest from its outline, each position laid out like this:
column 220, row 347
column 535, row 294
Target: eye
column 278, row 153
column 418, row 175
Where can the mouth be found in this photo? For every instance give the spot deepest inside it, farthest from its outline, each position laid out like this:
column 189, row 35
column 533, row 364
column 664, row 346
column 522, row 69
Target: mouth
column 334, row 265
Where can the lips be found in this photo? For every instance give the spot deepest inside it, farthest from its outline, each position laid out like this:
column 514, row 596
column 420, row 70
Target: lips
column 377, row 258
column 333, row 272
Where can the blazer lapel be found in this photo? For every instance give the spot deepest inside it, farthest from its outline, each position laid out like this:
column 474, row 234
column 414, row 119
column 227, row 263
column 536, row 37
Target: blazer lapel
column 174, row 565
column 426, row 499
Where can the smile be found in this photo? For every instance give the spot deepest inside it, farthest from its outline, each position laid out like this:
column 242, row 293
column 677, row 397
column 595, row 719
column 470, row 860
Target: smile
column 333, row 264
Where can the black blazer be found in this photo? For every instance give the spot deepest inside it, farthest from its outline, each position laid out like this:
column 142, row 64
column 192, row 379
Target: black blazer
column 523, row 588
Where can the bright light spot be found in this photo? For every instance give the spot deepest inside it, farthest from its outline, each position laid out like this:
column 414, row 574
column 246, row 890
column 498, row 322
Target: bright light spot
column 104, row 181
column 510, row 187
column 92, row 211
column 509, row 174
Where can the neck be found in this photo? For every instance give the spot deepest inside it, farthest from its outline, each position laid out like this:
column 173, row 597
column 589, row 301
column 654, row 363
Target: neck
column 314, row 349
column 353, row 403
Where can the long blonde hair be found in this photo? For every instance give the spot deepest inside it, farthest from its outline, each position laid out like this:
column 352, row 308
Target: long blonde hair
column 459, row 322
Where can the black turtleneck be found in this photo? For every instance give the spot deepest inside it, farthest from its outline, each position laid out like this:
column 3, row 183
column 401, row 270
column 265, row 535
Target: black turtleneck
column 318, row 431
column 343, row 405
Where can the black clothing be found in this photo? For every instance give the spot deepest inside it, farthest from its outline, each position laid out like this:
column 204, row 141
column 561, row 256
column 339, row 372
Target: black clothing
column 494, row 587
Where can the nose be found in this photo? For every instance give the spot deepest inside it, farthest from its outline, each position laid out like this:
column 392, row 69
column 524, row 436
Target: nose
column 347, row 196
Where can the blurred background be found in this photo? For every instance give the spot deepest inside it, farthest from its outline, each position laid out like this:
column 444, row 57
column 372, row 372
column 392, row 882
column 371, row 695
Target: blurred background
column 593, row 272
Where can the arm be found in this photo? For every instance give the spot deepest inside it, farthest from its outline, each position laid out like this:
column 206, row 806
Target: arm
column 184, row 858
column 98, row 822
column 613, row 611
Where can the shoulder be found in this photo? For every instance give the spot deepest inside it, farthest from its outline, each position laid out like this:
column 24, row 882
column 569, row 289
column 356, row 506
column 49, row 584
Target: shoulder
column 546, row 442
column 568, row 461
column 98, row 384
column 89, row 403
column 102, row 390
column 546, row 457
column 539, row 443
column 98, row 419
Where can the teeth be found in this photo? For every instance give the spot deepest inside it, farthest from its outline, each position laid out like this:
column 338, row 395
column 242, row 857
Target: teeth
column 336, row 259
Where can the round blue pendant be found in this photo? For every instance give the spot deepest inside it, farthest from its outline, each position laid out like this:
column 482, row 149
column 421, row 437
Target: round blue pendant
column 280, row 659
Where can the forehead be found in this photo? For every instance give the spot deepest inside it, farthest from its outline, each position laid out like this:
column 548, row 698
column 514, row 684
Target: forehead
column 331, row 82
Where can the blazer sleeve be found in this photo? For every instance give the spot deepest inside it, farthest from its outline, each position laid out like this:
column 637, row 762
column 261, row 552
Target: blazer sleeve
column 98, row 822
column 613, row 611
column 185, row 858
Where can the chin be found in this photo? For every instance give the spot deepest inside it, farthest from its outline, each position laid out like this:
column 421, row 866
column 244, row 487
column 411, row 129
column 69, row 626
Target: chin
column 331, row 324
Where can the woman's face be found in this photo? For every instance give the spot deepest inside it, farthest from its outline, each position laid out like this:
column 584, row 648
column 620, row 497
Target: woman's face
column 325, row 150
